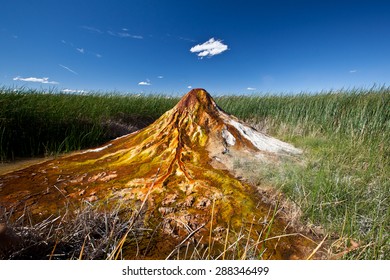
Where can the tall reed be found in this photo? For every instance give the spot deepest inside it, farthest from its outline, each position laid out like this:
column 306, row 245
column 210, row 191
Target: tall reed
column 34, row 122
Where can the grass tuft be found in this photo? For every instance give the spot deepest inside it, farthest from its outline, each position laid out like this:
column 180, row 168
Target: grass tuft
column 88, row 233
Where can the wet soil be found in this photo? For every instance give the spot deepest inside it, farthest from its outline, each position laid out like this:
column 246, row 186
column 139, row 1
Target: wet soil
column 21, row 163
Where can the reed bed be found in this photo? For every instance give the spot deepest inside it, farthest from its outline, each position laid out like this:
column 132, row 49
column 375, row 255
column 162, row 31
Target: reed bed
column 35, row 123
column 342, row 185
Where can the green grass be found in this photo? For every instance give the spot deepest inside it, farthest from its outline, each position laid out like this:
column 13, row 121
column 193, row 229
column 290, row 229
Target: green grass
column 343, row 184
column 35, row 123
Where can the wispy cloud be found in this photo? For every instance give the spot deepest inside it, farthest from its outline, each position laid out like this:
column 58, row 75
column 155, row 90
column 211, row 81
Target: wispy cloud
column 160, row 77
column 121, row 34
column 145, row 83
column 35, row 80
column 128, row 35
column 124, row 35
column 81, row 50
column 353, row 71
column 210, row 48
column 187, row 39
column 92, row 29
column 67, row 68
column 180, row 38
column 68, row 43
column 111, row 33
column 250, row 88
column 8, row 34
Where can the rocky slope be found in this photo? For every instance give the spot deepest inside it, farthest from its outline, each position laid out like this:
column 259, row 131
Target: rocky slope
column 177, row 177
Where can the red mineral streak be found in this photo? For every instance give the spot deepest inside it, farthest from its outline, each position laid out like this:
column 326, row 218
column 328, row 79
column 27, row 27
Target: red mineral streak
column 180, row 170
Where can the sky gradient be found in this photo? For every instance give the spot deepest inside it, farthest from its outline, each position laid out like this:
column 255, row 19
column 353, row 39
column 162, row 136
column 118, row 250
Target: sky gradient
column 154, row 46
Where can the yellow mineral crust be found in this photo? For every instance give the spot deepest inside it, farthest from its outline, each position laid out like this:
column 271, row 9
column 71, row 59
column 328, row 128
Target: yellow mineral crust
column 168, row 168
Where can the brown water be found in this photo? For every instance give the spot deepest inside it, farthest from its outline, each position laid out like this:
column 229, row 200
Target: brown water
column 10, row 166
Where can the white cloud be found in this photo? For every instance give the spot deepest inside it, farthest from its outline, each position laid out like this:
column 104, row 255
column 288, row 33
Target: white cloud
column 160, row 77
column 35, row 80
column 73, row 91
column 81, row 50
column 145, row 83
column 250, row 88
column 210, row 48
column 67, row 68
column 189, row 87
column 125, row 35
column 92, row 29
column 353, row 71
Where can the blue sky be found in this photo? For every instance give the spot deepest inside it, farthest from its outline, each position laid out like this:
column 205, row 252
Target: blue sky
column 157, row 46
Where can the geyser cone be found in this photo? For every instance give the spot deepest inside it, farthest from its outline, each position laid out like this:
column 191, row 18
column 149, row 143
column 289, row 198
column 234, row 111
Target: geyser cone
column 176, row 175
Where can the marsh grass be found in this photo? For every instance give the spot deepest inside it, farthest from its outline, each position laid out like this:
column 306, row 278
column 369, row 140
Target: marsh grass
column 344, row 187
column 35, row 123
column 343, row 182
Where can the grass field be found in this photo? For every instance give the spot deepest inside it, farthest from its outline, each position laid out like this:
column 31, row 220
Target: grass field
column 34, row 123
column 343, row 184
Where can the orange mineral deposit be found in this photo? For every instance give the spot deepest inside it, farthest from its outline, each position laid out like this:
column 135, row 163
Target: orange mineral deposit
column 177, row 177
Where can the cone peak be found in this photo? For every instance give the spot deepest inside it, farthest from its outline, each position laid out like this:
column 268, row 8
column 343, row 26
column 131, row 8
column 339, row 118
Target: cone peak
column 195, row 98
column 197, row 91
